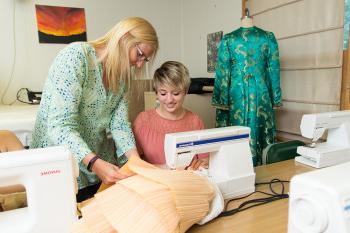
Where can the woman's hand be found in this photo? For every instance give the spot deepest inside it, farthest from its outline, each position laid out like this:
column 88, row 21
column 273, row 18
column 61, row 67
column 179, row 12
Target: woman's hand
column 197, row 163
column 107, row 172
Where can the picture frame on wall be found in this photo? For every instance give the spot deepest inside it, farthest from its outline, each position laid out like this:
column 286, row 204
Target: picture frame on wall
column 60, row 25
column 213, row 42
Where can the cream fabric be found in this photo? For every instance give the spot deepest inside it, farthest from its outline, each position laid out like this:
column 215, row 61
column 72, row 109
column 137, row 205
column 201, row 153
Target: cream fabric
column 300, row 17
column 308, row 108
column 313, row 50
column 95, row 221
column 286, row 116
column 152, row 200
column 300, row 85
column 217, row 205
column 256, row 6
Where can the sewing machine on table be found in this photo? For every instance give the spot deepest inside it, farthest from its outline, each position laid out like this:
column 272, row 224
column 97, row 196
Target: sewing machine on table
column 49, row 178
column 230, row 162
column 319, row 201
column 337, row 147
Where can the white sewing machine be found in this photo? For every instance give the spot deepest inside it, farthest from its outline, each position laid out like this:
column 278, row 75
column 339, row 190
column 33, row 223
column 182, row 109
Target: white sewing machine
column 230, row 163
column 319, row 201
column 49, row 178
column 337, row 147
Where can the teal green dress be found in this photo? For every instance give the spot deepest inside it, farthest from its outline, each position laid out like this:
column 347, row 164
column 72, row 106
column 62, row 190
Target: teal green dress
column 247, row 85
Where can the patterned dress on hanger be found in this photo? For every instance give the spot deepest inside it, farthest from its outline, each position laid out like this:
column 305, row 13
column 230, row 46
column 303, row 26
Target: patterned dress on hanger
column 247, row 85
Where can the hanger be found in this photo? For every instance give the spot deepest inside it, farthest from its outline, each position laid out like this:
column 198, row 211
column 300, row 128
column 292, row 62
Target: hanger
column 246, row 14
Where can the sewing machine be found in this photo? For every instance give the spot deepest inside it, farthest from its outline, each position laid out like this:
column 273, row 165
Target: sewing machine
column 49, row 178
column 230, row 162
column 319, row 201
column 337, row 147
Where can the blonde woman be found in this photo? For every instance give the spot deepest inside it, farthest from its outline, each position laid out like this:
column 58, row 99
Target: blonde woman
column 171, row 82
column 85, row 96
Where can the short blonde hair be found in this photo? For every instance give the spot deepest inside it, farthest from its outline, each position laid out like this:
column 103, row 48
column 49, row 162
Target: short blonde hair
column 172, row 74
column 116, row 44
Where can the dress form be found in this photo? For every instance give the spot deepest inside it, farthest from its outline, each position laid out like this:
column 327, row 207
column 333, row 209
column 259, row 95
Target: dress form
column 247, row 22
column 255, row 50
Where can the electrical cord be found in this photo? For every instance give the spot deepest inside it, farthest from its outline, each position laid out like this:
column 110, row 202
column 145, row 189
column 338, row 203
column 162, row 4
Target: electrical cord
column 273, row 196
column 18, row 96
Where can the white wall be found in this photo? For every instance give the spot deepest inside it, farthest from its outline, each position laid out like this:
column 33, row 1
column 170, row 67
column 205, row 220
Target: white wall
column 33, row 59
column 182, row 27
column 202, row 17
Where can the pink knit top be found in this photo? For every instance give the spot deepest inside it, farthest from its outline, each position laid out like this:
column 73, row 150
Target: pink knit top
column 150, row 129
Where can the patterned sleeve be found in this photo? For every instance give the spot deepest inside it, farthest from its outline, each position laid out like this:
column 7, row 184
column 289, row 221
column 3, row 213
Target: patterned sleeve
column 274, row 70
column 65, row 82
column 121, row 128
column 222, row 79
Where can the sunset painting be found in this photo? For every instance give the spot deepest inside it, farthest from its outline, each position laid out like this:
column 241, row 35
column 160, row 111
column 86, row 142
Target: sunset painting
column 60, row 25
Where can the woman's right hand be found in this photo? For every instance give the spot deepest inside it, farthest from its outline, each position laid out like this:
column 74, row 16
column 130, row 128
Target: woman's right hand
column 197, row 163
column 107, row 172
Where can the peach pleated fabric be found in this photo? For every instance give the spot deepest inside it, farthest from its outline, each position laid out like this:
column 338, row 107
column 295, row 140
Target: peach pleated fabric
column 153, row 200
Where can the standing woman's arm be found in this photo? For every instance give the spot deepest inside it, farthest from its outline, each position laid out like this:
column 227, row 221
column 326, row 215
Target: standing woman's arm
column 122, row 132
column 62, row 96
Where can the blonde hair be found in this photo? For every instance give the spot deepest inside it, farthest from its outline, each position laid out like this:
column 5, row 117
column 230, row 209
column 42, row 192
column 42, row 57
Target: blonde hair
column 115, row 46
column 172, row 74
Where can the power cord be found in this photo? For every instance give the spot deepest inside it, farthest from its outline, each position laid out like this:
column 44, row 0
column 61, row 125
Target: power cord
column 273, row 196
column 33, row 97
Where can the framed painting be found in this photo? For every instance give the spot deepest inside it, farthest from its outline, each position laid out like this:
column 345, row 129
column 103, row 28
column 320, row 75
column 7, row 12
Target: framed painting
column 60, row 25
column 213, row 41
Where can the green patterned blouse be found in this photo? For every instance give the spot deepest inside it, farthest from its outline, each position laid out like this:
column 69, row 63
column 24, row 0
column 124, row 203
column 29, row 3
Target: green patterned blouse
column 76, row 111
column 247, row 85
